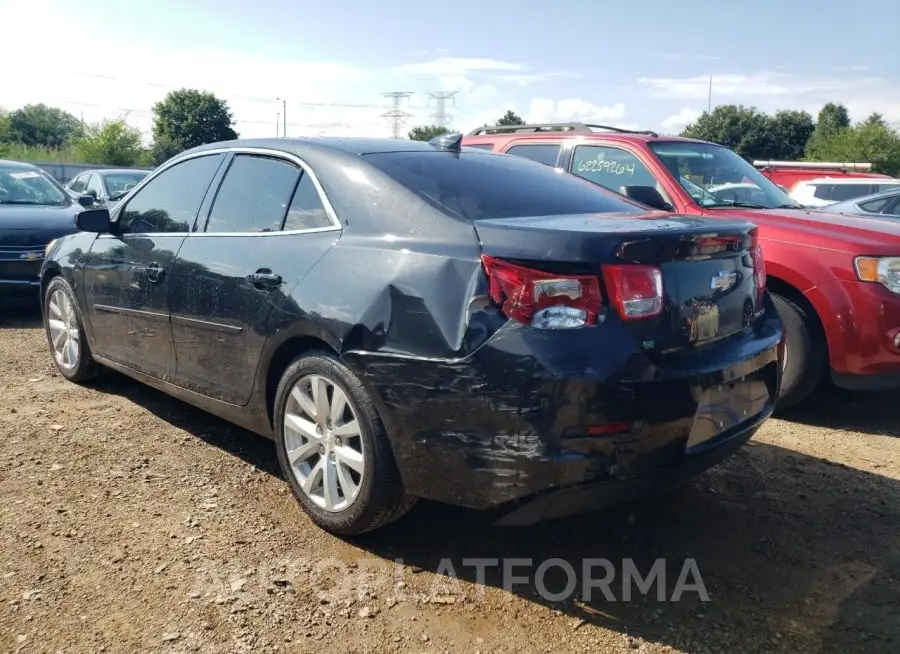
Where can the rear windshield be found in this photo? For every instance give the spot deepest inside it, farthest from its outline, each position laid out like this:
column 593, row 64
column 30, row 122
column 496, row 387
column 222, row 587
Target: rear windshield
column 476, row 185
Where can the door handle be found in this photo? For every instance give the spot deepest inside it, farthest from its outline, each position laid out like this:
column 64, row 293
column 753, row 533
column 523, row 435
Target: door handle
column 265, row 278
column 155, row 273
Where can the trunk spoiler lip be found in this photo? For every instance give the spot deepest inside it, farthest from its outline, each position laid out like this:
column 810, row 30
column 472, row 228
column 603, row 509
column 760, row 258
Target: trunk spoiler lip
column 651, row 224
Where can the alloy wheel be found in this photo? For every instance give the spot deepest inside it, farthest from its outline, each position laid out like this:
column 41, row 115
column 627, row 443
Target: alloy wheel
column 323, row 442
column 64, row 334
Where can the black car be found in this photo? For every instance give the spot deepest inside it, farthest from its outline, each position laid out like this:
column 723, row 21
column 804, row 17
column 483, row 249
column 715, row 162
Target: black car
column 106, row 185
column 413, row 319
column 34, row 210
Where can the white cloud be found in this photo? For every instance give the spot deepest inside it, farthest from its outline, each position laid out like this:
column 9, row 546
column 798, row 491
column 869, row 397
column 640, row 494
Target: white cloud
column 770, row 91
column 677, row 122
column 546, row 110
column 457, row 66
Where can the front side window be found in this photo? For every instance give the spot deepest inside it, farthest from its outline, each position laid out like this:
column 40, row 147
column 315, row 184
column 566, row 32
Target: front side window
column 19, row 186
column 78, row 185
column 118, row 184
column 545, row 153
column 716, row 177
column 609, row 167
column 170, row 201
column 254, row 195
column 95, row 186
column 875, row 206
column 478, row 185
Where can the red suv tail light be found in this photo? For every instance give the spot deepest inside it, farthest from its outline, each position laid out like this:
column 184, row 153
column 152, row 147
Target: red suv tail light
column 541, row 299
column 759, row 264
column 636, row 291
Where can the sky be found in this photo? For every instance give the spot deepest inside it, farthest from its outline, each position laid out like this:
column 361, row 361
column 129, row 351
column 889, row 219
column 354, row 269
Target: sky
column 638, row 64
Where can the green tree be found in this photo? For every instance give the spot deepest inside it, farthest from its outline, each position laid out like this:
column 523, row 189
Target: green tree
column 42, row 126
column 743, row 129
column 871, row 141
column 510, row 118
column 112, row 142
column 427, row 132
column 833, row 116
column 4, row 125
column 789, row 131
column 187, row 118
column 833, row 120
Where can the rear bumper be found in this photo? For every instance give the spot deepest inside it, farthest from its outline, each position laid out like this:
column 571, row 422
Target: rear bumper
column 592, row 497
column 533, row 411
column 860, row 321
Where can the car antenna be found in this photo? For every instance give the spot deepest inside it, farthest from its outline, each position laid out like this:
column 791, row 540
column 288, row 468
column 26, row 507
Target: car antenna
column 450, row 142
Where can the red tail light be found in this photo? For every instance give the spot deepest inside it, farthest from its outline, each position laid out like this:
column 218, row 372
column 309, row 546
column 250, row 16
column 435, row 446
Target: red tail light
column 759, row 264
column 540, row 299
column 636, row 291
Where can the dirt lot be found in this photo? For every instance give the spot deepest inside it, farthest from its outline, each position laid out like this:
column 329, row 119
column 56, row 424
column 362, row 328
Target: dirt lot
column 131, row 522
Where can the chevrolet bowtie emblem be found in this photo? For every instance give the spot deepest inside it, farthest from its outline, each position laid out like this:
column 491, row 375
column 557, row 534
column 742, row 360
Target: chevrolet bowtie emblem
column 30, row 256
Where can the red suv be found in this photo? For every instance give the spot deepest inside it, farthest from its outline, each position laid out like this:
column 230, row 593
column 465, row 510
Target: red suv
column 834, row 278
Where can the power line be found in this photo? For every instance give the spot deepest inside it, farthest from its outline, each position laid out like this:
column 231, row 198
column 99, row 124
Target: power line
column 441, row 119
column 397, row 116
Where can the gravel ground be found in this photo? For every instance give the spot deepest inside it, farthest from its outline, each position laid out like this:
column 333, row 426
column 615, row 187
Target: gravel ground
column 131, row 522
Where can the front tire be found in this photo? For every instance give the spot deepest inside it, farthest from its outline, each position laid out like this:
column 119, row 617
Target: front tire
column 65, row 333
column 333, row 448
column 806, row 353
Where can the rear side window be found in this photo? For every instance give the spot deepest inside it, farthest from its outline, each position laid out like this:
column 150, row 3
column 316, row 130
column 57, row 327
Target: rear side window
column 874, row 206
column 841, row 192
column 480, row 146
column 475, row 185
column 254, row 195
column 611, row 168
column 545, row 153
column 306, row 210
column 170, row 201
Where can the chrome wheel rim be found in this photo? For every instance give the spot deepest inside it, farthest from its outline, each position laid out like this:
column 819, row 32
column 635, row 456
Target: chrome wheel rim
column 63, row 325
column 323, row 443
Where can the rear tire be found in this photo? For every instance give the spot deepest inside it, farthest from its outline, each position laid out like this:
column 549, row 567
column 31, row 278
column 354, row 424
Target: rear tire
column 806, row 353
column 346, row 446
column 65, row 334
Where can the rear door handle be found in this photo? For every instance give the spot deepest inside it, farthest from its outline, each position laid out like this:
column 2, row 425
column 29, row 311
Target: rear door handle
column 155, row 273
column 265, row 278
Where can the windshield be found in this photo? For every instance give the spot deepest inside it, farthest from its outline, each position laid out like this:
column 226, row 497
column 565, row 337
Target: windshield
column 118, row 184
column 22, row 186
column 715, row 176
column 477, row 185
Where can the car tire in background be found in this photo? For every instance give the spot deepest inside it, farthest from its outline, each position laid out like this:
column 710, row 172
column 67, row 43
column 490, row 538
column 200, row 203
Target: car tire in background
column 65, row 333
column 806, row 353
column 328, row 433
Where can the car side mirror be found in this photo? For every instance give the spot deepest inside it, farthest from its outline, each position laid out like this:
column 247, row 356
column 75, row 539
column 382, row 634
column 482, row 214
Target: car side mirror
column 85, row 200
column 646, row 195
column 94, row 220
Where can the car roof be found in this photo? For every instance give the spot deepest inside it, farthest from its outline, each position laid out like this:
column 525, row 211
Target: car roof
column 17, row 165
column 610, row 136
column 890, row 193
column 851, row 180
column 108, row 171
column 325, row 144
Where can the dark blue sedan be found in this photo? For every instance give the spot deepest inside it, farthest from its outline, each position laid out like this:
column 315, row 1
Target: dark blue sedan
column 34, row 210
column 413, row 319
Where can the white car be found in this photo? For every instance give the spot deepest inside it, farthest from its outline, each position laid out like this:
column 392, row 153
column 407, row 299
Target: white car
column 822, row 191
